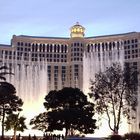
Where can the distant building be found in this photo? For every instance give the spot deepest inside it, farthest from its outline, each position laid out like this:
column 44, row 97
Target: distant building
column 61, row 60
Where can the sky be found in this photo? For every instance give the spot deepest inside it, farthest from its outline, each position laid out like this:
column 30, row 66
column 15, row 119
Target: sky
column 53, row 18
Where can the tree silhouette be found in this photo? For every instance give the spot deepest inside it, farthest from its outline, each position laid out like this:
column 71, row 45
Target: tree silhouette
column 40, row 122
column 15, row 122
column 115, row 93
column 9, row 102
column 68, row 108
column 4, row 71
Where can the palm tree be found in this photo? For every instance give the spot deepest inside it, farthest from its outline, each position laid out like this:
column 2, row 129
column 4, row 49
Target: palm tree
column 15, row 122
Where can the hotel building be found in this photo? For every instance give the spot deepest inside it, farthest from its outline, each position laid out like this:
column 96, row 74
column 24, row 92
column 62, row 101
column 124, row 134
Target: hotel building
column 63, row 58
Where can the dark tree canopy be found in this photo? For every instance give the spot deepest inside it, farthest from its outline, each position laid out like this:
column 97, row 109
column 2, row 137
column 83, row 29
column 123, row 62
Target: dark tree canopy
column 68, row 108
column 40, row 122
column 115, row 93
column 8, row 99
column 4, row 70
column 9, row 102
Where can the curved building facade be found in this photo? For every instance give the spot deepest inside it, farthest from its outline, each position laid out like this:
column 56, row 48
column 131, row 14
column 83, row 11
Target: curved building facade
column 41, row 64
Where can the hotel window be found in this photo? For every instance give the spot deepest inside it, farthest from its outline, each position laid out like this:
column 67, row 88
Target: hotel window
column 62, row 48
column 51, row 48
column 40, row 55
column 128, row 41
column 18, row 48
column 65, row 48
column 136, row 40
column 110, row 46
column 57, row 55
column 63, row 76
column 132, row 41
column 55, row 69
column 98, row 47
column 133, row 51
column 113, row 44
column 48, row 47
column 40, row 47
column 54, row 55
column 106, row 46
column 21, row 44
column 58, row 48
column 128, row 51
column 49, row 73
column 33, row 49
column 25, row 54
column 132, row 46
column 43, row 47
column 33, row 54
column 18, row 43
column 26, row 49
column 136, row 45
column 36, row 55
column 55, row 48
column 55, row 79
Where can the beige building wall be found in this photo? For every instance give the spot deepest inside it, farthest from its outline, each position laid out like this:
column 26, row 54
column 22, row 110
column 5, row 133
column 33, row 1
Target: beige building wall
column 64, row 56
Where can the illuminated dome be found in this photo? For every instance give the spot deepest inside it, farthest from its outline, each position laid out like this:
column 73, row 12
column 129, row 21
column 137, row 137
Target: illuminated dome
column 77, row 30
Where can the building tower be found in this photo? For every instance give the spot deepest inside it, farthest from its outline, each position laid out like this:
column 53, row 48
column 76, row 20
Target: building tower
column 76, row 43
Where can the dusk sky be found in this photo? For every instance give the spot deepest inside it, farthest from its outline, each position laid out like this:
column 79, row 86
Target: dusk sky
column 53, row 18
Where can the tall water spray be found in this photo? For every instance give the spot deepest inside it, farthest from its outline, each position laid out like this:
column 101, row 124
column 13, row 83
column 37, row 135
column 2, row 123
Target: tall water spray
column 97, row 60
column 30, row 81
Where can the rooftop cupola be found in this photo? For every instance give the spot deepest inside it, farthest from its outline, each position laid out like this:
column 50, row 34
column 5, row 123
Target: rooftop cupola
column 77, row 31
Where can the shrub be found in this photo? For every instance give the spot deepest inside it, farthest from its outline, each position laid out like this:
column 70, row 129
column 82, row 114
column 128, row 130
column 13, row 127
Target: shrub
column 115, row 137
column 132, row 136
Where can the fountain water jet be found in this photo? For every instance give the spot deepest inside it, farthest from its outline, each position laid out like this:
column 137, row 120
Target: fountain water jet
column 94, row 62
column 30, row 81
